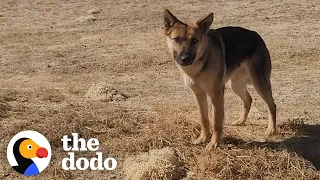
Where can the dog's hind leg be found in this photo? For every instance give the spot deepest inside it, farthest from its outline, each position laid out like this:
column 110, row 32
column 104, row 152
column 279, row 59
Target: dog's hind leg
column 239, row 87
column 260, row 69
column 263, row 87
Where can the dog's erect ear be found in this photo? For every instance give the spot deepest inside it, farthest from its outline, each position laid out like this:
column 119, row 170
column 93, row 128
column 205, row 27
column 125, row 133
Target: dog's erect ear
column 206, row 22
column 169, row 19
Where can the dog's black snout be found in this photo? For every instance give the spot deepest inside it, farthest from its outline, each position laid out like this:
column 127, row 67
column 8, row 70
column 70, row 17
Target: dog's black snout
column 185, row 58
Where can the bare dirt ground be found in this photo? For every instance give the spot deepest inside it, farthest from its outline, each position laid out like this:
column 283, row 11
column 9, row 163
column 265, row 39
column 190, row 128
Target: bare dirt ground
column 52, row 52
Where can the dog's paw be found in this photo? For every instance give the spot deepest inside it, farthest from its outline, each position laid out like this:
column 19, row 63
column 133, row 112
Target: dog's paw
column 239, row 122
column 270, row 131
column 212, row 145
column 201, row 139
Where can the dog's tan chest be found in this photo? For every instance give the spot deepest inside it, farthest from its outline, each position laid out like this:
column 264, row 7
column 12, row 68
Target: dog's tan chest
column 202, row 81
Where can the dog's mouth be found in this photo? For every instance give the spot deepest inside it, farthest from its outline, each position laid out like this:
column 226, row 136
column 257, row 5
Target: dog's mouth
column 185, row 63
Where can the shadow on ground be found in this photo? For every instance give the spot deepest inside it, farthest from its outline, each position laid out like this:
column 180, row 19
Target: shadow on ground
column 306, row 143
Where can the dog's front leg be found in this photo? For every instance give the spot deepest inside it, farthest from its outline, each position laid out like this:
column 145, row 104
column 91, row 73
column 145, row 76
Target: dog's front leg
column 201, row 100
column 217, row 99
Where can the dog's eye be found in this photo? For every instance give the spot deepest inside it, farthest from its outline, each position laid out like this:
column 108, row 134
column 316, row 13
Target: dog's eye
column 177, row 39
column 194, row 41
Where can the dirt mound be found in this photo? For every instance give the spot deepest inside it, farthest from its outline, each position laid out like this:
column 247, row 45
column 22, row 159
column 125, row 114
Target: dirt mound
column 155, row 164
column 50, row 95
column 7, row 95
column 4, row 108
column 103, row 92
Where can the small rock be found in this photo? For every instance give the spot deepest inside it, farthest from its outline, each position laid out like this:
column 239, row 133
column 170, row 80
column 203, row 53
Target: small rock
column 94, row 11
column 262, row 140
column 95, row 38
column 86, row 19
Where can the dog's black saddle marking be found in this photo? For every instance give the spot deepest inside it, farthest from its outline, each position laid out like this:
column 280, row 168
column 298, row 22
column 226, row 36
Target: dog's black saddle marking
column 238, row 43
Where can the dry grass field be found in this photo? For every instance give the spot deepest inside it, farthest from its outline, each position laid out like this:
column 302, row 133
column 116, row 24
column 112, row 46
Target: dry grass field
column 52, row 52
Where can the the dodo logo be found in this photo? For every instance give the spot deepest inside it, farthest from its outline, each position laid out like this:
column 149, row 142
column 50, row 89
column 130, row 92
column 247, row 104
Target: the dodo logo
column 29, row 153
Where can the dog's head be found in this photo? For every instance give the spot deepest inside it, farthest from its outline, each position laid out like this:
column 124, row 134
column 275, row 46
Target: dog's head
column 184, row 39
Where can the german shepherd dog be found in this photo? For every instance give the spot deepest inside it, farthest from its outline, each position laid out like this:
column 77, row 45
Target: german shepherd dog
column 208, row 58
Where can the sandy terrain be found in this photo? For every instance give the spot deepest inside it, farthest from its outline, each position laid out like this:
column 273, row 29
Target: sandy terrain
column 52, row 52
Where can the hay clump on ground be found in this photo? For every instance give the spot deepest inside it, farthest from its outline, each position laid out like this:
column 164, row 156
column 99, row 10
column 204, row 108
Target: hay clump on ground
column 155, row 164
column 103, row 92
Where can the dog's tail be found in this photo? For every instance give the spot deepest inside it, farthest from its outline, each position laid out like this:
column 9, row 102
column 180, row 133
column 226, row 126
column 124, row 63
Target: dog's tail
column 261, row 60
